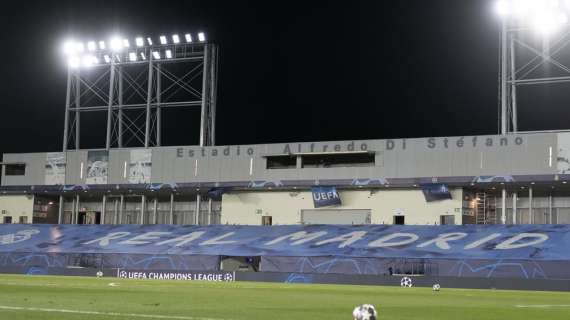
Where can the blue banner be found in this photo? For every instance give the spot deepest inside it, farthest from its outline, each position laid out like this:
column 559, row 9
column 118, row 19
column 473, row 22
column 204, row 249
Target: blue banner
column 435, row 192
column 325, row 196
column 531, row 242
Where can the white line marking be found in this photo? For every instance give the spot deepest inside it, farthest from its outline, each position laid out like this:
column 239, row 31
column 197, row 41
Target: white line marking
column 543, row 306
column 112, row 314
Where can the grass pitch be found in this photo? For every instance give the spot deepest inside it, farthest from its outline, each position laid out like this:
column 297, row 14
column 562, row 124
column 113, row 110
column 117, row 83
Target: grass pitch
column 38, row 297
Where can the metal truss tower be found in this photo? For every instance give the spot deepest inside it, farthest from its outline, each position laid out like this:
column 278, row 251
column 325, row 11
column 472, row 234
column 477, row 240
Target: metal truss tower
column 528, row 59
column 133, row 87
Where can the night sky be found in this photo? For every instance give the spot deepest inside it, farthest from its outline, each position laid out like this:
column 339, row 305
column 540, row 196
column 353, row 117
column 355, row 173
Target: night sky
column 289, row 70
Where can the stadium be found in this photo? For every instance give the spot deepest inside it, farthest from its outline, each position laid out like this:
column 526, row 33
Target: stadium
column 384, row 221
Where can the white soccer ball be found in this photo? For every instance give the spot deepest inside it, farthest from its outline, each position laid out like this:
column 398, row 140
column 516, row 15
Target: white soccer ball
column 365, row 312
column 99, row 274
column 436, row 287
column 406, row 282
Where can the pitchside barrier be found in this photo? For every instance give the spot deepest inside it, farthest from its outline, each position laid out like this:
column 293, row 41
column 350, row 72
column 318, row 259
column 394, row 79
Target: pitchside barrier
column 475, row 251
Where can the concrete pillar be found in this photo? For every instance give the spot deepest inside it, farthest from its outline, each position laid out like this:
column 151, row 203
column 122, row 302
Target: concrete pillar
column 209, row 218
column 60, row 211
column 531, row 218
column 116, row 212
column 121, row 206
column 550, row 209
column 504, row 206
column 515, row 208
column 155, row 211
column 171, row 213
column 103, row 209
column 143, row 204
column 197, row 211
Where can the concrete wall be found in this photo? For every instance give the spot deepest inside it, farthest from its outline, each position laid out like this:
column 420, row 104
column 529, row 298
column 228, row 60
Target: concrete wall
column 247, row 208
column 398, row 158
column 15, row 207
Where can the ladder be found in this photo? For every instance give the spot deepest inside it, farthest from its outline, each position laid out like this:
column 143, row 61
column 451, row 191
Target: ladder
column 485, row 210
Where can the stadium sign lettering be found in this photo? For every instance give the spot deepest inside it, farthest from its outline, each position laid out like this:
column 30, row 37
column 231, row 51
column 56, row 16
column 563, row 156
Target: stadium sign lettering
column 169, row 275
column 214, row 152
column 442, row 241
column 353, row 146
column 542, row 242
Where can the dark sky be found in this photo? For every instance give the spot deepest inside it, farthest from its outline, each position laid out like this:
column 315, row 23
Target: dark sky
column 289, row 70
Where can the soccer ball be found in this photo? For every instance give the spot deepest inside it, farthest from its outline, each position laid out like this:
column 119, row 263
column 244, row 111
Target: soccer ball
column 99, row 274
column 436, row 287
column 365, row 312
column 406, row 282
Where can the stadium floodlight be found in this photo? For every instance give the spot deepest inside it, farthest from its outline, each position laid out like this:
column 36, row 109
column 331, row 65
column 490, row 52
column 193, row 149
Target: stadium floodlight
column 132, row 56
column 69, row 47
column 188, row 37
column 544, row 16
column 102, row 45
column 156, row 55
column 143, row 56
column 168, row 54
column 149, row 41
column 73, row 62
column 107, row 58
column 163, row 40
column 88, row 60
column 201, row 37
column 91, row 46
column 139, row 41
column 503, row 7
column 175, row 39
column 79, row 47
column 126, row 43
column 548, row 22
column 116, row 44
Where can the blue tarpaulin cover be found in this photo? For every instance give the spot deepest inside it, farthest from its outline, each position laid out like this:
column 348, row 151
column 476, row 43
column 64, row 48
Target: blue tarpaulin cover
column 536, row 242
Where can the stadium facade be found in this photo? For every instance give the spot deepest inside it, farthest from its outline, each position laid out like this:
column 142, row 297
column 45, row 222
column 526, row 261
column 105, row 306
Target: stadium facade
column 378, row 182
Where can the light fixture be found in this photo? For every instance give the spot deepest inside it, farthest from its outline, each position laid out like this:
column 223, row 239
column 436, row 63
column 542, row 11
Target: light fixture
column 107, row 58
column 168, row 54
column 163, row 40
column 503, row 7
column 126, row 43
column 68, row 47
column 132, row 56
column 143, row 56
column 91, row 46
column 88, row 60
column 73, row 62
column 139, row 41
column 188, row 37
column 175, row 39
column 149, row 41
column 79, row 47
column 156, row 55
column 544, row 16
column 116, row 44
column 102, row 45
column 201, row 37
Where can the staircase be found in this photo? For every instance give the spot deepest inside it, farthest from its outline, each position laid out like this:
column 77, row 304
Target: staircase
column 485, row 211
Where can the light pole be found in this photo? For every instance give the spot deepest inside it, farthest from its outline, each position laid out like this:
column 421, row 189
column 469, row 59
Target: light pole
column 524, row 24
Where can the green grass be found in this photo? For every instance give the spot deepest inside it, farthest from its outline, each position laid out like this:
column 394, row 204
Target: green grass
column 246, row 300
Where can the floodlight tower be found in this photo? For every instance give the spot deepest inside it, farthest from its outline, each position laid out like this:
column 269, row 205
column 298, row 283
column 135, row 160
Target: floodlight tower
column 533, row 35
column 134, row 81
